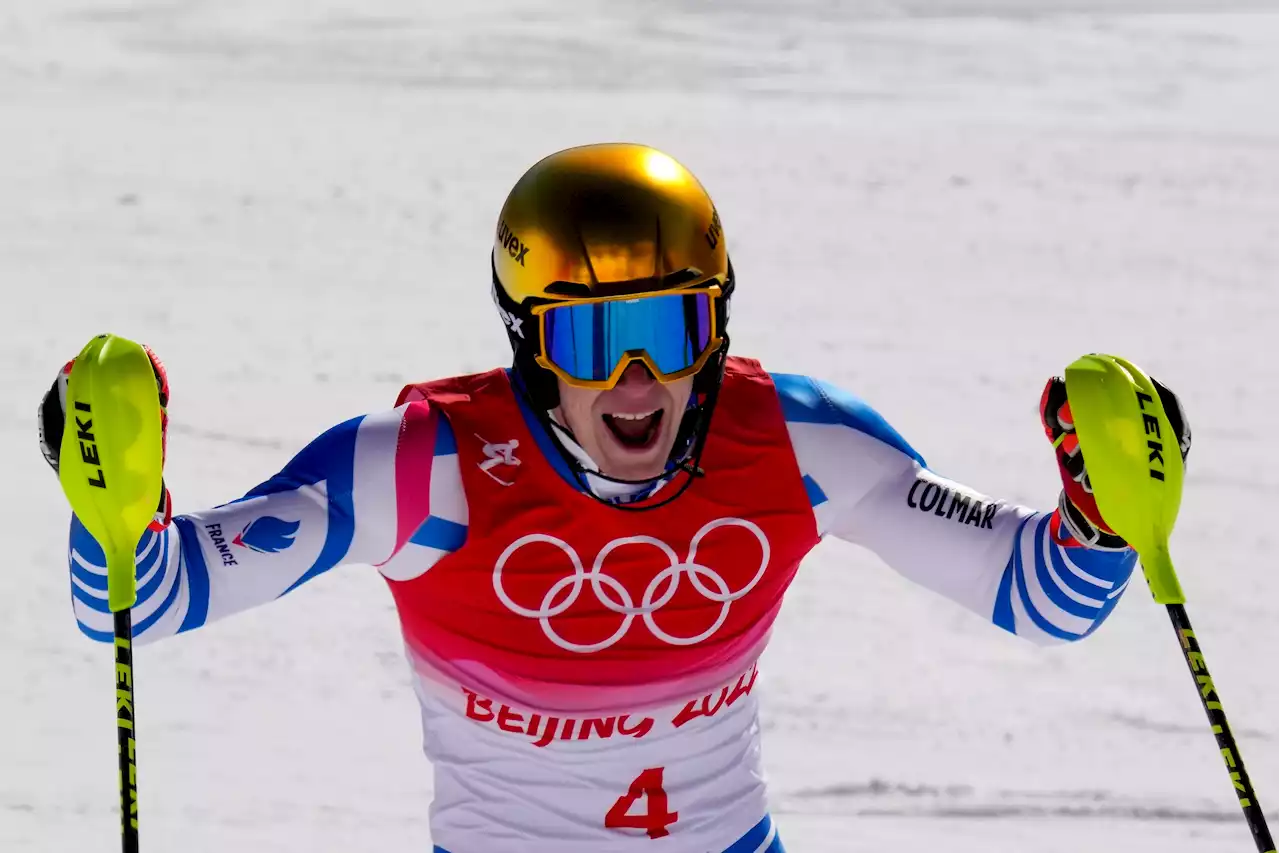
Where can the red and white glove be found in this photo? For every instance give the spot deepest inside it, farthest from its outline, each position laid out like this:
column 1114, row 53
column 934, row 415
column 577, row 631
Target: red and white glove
column 1077, row 508
column 53, row 415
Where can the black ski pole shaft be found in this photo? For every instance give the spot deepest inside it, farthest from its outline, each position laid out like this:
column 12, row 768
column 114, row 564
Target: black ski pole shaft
column 126, row 733
column 1218, row 722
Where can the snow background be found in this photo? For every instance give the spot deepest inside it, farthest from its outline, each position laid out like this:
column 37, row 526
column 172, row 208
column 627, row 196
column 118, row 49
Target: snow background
column 934, row 204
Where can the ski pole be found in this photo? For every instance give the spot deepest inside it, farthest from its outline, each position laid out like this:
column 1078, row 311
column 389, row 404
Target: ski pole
column 1135, row 467
column 110, row 468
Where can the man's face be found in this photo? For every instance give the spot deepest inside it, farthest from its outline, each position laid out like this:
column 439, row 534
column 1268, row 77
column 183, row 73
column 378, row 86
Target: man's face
column 630, row 429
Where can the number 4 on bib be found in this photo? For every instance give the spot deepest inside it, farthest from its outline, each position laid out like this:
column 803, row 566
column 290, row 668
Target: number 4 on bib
column 655, row 819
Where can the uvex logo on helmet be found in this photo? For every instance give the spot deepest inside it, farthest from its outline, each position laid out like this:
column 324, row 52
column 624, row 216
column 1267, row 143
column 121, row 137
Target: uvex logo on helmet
column 511, row 321
column 515, row 247
column 612, row 596
column 715, row 231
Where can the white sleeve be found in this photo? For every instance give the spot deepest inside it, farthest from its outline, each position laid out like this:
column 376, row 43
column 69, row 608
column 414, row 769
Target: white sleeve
column 338, row 501
column 1005, row 562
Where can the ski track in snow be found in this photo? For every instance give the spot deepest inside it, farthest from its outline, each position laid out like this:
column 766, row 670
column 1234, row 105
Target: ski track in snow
column 934, row 204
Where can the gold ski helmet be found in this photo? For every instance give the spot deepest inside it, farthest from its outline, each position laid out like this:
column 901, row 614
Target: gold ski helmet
column 623, row 238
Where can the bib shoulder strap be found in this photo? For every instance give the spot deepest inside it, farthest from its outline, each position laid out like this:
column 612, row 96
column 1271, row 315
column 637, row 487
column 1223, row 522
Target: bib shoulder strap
column 451, row 388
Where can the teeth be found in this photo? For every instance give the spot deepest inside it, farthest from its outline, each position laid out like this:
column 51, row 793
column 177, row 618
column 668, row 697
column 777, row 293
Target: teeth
column 624, row 417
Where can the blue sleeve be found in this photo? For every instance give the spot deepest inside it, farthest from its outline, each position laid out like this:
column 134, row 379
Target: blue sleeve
column 806, row 400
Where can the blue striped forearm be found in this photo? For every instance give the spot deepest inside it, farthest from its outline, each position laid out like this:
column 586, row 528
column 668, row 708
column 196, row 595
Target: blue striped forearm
column 162, row 588
column 1050, row 593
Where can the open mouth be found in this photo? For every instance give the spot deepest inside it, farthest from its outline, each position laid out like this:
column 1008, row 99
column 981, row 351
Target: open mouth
column 635, row 431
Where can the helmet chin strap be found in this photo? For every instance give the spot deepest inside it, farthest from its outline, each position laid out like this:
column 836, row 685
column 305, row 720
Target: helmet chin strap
column 690, row 436
column 677, row 460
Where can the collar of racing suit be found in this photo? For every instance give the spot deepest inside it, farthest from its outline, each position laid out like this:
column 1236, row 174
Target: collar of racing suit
column 602, row 487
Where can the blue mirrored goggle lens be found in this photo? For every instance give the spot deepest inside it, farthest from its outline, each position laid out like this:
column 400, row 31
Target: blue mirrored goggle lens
column 587, row 341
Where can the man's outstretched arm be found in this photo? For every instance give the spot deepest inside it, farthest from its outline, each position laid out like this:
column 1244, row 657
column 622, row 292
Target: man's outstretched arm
column 334, row 503
column 1028, row 572
column 356, row 494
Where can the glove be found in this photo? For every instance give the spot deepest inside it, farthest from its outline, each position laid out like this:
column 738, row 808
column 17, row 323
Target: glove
column 53, row 415
column 1077, row 508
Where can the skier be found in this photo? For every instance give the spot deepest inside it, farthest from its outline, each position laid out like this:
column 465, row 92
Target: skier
column 587, row 550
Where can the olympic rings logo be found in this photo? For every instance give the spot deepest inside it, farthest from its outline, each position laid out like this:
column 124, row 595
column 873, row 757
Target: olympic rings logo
column 614, row 596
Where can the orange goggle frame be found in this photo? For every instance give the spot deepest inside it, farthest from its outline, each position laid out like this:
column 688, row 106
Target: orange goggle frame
column 589, row 343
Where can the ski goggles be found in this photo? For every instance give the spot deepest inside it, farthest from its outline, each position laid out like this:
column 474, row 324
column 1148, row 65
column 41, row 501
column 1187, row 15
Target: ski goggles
column 590, row 343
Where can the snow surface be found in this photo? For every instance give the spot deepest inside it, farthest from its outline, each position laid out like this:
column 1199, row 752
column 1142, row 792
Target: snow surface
column 933, row 204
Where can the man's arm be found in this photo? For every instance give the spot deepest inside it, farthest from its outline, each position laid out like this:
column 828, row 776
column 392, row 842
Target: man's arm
column 1019, row 568
column 356, row 494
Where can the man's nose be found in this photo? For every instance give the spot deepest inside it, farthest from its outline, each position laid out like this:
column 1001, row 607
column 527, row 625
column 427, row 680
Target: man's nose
column 636, row 376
